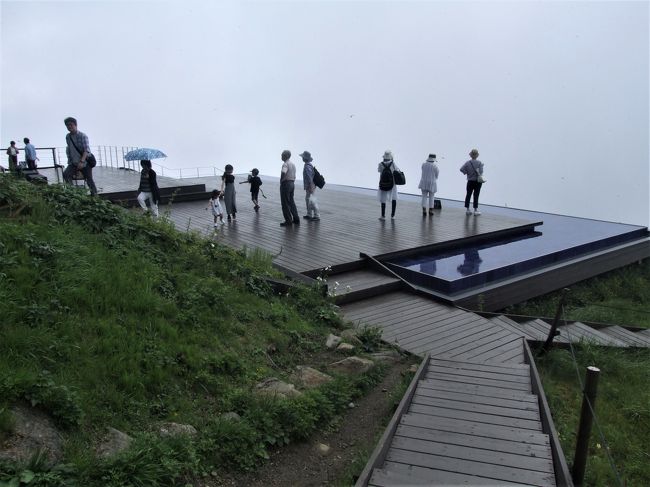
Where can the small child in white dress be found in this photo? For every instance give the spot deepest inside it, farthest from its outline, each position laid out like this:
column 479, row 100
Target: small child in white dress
column 215, row 205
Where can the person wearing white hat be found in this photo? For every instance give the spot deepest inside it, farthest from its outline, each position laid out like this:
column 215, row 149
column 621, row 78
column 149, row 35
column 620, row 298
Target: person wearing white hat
column 473, row 169
column 387, row 188
column 428, row 183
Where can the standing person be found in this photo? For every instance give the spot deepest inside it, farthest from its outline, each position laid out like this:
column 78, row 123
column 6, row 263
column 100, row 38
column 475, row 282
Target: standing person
column 215, row 206
column 148, row 189
column 255, row 182
column 473, row 169
column 287, row 187
column 77, row 150
column 429, row 183
column 387, row 187
column 12, row 152
column 313, row 213
column 228, row 190
column 30, row 155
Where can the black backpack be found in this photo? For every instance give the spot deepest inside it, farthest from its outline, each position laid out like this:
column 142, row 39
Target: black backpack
column 386, row 181
column 319, row 180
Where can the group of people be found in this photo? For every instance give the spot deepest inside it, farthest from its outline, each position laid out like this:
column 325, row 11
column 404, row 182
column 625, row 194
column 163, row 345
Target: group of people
column 30, row 156
column 472, row 169
column 81, row 160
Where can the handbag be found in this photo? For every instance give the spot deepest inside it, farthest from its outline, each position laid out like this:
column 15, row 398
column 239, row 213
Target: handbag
column 90, row 158
column 399, row 178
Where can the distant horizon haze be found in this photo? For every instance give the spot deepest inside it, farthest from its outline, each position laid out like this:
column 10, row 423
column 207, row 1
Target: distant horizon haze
column 554, row 95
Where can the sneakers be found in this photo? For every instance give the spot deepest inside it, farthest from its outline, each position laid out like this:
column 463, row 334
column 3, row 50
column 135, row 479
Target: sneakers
column 286, row 224
column 468, row 211
column 256, row 207
column 306, row 217
column 216, row 225
column 315, row 219
column 220, row 223
column 476, row 212
column 382, row 218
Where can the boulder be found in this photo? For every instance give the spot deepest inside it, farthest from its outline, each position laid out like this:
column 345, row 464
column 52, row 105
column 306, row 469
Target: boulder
column 113, row 443
column 276, row 388
column 308, row 378
column 332, row 341
column 345, row 347
column 390, row 356
column 33, row 431
column 350, row 335
column 352, row 365
column 177, row 429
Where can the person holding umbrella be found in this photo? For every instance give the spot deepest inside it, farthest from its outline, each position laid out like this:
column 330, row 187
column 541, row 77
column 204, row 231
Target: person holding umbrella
column 148, row 189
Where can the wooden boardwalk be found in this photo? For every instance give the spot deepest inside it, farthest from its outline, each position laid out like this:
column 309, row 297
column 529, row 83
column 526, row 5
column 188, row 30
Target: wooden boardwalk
column 472, row 417
column 349, row 225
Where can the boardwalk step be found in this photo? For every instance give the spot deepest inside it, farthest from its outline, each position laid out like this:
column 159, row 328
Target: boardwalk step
column 510, row 325
column 631, row 338
column 538, row 330
column 644, row 333
column 361, row 284
column 577, row 332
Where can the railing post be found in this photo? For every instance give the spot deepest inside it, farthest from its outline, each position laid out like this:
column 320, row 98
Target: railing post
column 584, row 430
column 553, row 331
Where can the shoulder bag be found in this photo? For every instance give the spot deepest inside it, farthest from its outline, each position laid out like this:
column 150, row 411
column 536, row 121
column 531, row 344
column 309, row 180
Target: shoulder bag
column 90, row 158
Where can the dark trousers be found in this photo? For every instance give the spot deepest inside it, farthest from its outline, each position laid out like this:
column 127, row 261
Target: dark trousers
column 87, row 171
column 289, row 210
column 31, row 164
column 475, row 188
column 13, row 163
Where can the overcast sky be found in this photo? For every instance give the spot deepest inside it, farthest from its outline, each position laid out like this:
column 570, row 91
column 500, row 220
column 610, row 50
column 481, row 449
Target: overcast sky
column 554, row 95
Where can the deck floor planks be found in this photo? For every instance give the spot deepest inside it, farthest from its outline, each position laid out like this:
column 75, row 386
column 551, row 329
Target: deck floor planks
column 474, row 399
column 485, row 374
column 398, row 474
column 471, row 406
column 473, row 454
column 474, row 441
column 475, row 389
column 511, row 369
column 496, row 472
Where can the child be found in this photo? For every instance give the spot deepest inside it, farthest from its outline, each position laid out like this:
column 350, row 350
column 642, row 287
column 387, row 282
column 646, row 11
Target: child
column 255, row 182
column 228, row 188
column 216, row 207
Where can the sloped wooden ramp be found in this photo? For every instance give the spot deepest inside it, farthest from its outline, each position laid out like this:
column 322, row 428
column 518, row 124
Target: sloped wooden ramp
column 472, row 414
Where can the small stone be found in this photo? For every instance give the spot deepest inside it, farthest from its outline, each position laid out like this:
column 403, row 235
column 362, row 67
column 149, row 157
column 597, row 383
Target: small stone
column 413, row 368
column 177, row 429
column 214, row 473
column 323, row 449
column 345, row 347
column 351, row 405
column 386, row 356
column 231, row 416
column 384, row 390
column 332, row 341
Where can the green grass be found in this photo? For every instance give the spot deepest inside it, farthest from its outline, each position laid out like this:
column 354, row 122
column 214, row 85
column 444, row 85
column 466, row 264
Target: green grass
column 619, row 297
column 111, row 319
column 622, row 410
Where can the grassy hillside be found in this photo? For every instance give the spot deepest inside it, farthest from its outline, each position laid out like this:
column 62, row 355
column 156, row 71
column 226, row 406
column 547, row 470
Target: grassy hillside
column 111, row 319
column 623, row 404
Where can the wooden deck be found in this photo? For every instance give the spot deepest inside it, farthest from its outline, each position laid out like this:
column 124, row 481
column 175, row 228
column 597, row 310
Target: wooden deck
column 349, row 225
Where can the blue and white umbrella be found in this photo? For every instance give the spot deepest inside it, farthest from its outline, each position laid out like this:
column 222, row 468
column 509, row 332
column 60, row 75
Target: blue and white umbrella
column 144, row 154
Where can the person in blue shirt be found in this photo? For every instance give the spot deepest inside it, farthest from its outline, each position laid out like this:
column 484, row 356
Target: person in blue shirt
column 30, row 155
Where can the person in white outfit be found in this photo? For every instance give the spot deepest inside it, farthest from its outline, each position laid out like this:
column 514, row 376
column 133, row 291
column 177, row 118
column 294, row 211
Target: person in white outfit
column 387, row 188
column 428, row 183
column 313, row 213
column 148, row 189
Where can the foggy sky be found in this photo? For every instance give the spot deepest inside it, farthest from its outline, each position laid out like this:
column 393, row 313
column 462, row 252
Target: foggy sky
column 554, row 95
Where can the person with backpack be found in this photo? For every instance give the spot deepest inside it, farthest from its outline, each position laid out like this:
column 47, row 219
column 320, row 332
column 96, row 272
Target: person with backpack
column 387, row 187
column 473, row 169
column 78, row 151
column 309, row 185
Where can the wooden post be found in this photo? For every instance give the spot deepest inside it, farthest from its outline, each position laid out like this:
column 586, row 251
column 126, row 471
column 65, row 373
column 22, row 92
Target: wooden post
column 584, row 430
column 553, row 331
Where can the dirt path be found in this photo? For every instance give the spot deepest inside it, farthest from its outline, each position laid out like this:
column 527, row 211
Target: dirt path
column 301, row 464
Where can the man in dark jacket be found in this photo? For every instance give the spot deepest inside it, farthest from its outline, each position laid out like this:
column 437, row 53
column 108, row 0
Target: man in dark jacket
column 148, row 189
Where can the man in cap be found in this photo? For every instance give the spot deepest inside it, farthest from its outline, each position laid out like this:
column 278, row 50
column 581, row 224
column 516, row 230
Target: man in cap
column 287, row 179
column 77, row 150
column 310, row 188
